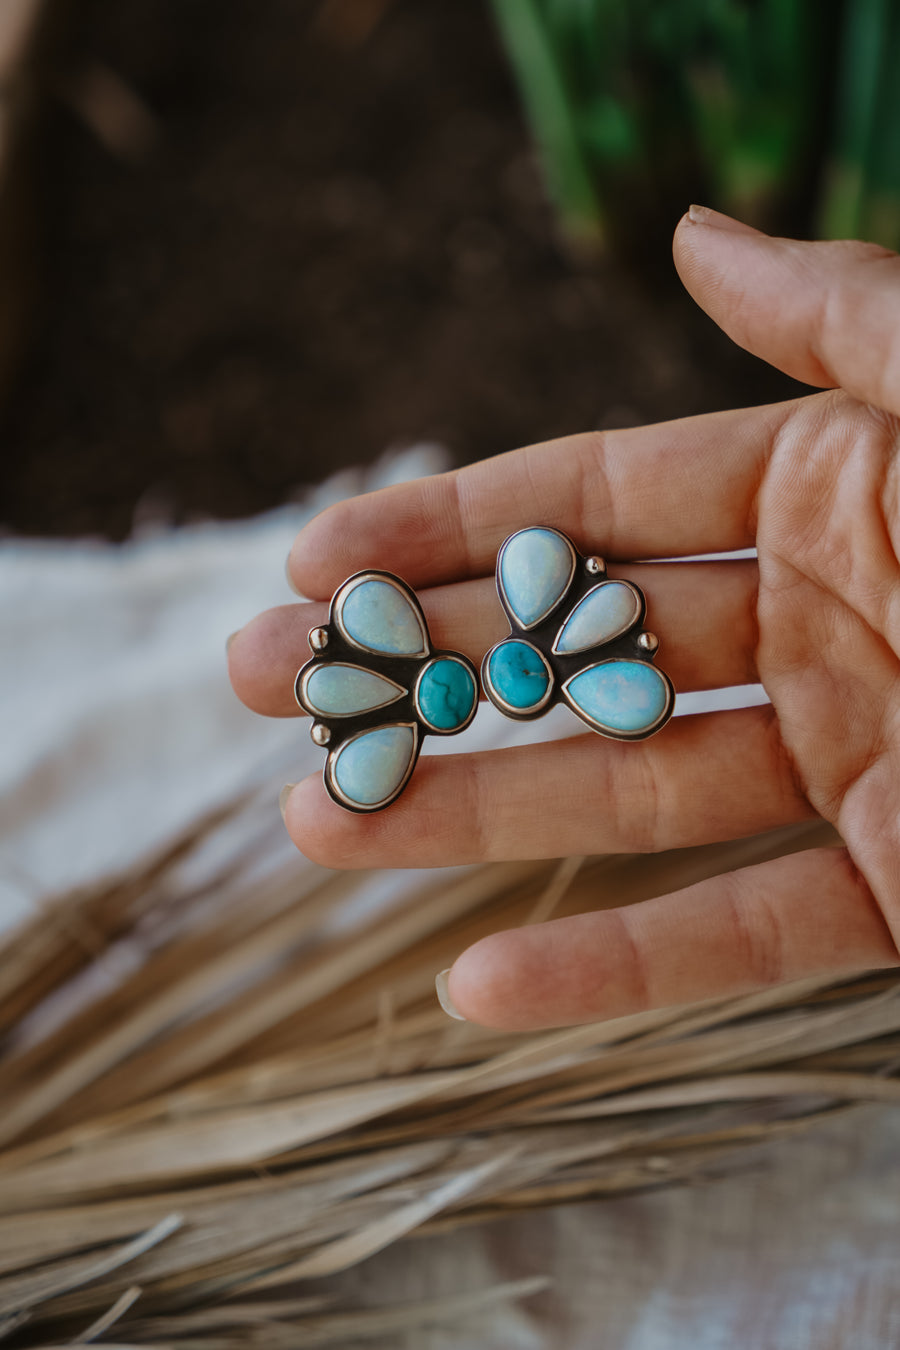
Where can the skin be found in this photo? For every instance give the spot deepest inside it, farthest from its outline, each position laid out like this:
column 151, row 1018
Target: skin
column 813, row 484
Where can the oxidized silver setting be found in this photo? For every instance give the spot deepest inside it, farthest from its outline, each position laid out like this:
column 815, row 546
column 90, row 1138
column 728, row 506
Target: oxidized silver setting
column 334, row 645
column 628, row 644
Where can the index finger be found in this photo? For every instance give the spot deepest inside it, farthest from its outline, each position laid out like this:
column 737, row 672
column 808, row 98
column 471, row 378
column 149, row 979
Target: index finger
column 681, row 487
column 824, row 312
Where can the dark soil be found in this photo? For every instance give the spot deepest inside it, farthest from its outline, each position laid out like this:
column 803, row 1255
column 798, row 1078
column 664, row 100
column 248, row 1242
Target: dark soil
column 337, row 243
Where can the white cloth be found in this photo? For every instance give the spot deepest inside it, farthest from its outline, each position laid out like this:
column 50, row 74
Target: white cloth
column 117, row 722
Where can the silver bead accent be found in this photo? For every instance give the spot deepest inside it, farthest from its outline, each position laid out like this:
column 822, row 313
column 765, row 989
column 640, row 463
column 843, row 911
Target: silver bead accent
column 319, row 733
column 648, row 642
column 595, row 567
column 318, row 639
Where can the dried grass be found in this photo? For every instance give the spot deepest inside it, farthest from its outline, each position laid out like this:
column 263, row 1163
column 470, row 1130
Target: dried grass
column 220, row 1079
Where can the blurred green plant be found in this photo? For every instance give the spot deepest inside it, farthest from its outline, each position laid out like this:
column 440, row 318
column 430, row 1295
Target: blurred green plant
column 776, row 109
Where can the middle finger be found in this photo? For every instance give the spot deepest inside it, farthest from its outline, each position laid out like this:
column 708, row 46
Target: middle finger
column 704, row 614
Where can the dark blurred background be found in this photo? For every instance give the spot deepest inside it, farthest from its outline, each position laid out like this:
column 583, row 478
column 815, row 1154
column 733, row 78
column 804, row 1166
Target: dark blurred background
column 244, row 245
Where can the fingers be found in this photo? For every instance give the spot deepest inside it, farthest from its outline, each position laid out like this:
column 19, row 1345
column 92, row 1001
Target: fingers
column 826, row 313
column 805, row 915
column 682, row 487
column 717, row 776
column 702, row 613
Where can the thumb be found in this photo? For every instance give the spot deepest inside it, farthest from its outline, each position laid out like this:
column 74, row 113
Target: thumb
column 825, row 313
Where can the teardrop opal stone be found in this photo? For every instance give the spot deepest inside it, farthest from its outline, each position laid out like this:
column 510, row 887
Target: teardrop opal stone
column 619, row 696
column 370, row 768
column 535, row 569
column 607, row 611
column 379, row 617
column 339, row 690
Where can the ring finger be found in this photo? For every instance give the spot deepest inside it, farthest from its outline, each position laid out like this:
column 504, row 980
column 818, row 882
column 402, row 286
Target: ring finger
column 710, row 777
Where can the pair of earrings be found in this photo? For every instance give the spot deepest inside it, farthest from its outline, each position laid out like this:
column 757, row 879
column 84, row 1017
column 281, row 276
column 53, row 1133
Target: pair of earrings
column 376, row 688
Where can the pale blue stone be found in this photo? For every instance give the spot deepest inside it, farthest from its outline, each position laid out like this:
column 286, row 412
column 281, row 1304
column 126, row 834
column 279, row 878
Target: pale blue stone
column 536, row 566
column 605, row 612
column 338, row 690
column 446, row 693
column 626, row 696
column 381, row 618
column 370, row 768
column 517, row 673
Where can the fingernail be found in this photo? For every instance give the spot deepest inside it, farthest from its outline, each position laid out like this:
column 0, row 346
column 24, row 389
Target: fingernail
column 229, row 640
column 705, row 215
column 443, row 993
column 287, row 575
column 283, row 797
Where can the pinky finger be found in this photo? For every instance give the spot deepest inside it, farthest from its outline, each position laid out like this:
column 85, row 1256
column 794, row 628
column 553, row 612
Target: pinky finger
column 808, row 914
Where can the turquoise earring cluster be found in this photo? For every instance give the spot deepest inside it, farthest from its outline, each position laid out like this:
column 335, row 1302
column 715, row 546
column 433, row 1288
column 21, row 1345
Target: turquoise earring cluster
column 576, row 636
column 375, row 687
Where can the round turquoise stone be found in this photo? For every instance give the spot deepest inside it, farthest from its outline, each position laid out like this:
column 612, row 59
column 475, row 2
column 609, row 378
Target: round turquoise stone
column 518, row 674
column 446, row 694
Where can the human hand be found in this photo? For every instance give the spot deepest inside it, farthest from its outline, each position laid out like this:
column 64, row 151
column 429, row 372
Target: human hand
column 814, row 484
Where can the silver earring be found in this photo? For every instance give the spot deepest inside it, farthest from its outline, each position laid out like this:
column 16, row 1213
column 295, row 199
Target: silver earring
column 575, row 637
column 376, row 688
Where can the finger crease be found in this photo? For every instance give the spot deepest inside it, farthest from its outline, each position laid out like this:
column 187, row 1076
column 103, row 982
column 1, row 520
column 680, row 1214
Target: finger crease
column 478, row 799
column 752, row 647
column 462, row 531
column 638, row 968
column 759, row 934
column 787, row 768
column 652, row 835
column 595, row 483
column 858, row 883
